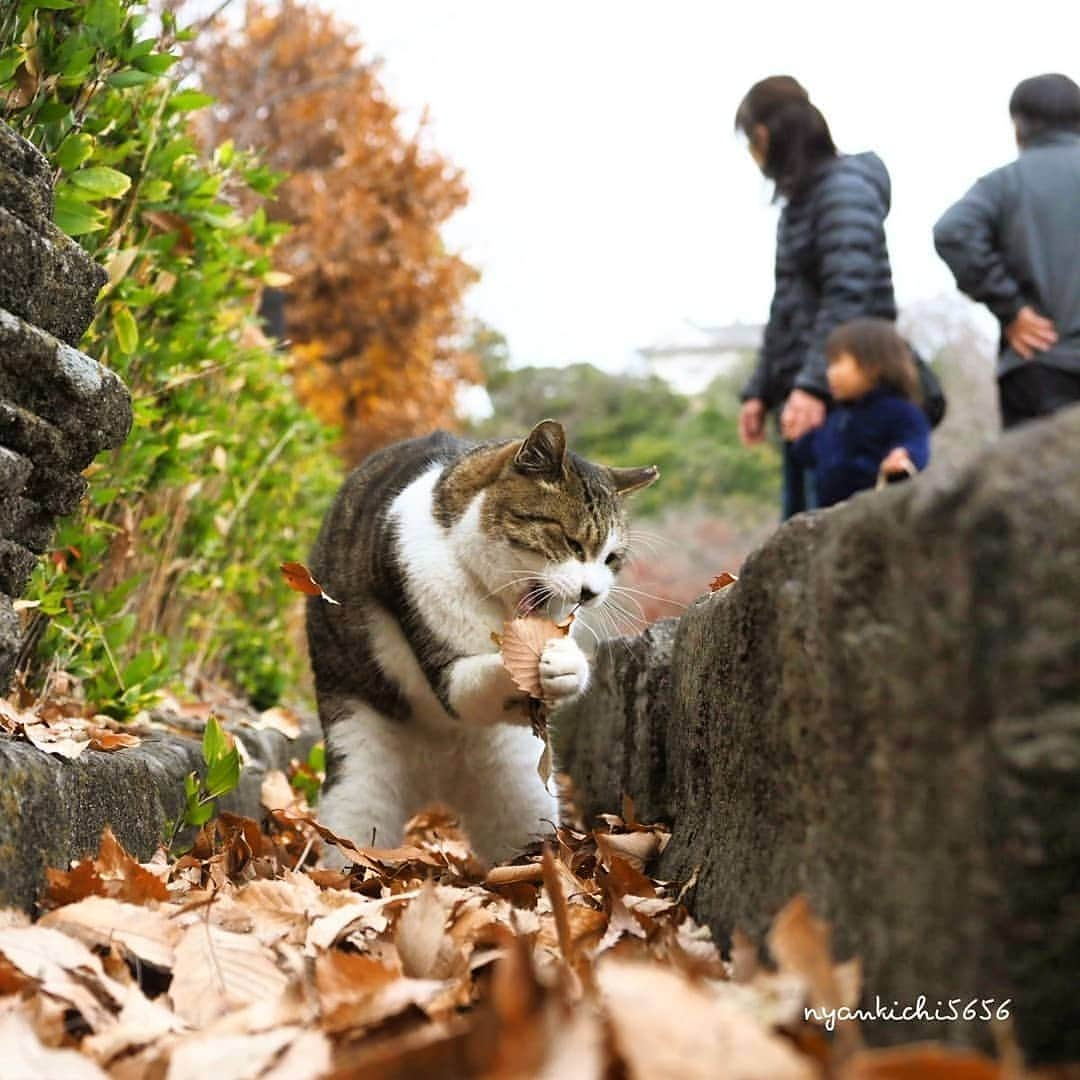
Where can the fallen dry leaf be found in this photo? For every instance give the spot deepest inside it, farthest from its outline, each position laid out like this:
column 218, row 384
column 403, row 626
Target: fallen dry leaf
column 112, row 872
column 278, row 719
column 145, row 934
column 217, row 971
column 21, row 1048
column 299, row 579
column 357, row 992
column 799, row 942
column 64, row 969
column 60, row 739
column 721, row 581
column 926, row 1062
column 426, row 951
column 665, row 1025
column 523, row 642
column 276, row 793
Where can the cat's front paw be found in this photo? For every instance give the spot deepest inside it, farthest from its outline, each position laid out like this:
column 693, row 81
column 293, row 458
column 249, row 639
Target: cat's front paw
column 564, row 671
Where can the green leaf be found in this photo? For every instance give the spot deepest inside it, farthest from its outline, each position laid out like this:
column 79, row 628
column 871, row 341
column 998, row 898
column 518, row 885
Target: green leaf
column 74, row 150
column 77, row 219
column 190, row 100
column 10, row 59
column 156, row 190
column 155, row 63
column 127, row 331
column 225, row 153
column 53, row 5
column 225, row 775
column 124, row 79
column 198, row 814
column 215, row 744
column 102, row 181
column 222, row 759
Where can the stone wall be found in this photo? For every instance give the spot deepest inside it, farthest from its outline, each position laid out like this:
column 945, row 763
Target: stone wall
column 53, row 810
column 58, row 407
column 882, row 713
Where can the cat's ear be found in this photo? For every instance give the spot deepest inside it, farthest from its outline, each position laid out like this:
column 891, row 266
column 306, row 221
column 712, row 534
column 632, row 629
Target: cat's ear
column 626, row 480
column 542, row 452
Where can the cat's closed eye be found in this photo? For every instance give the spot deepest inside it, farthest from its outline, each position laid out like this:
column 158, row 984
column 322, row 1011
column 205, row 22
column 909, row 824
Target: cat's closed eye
column 575, row 547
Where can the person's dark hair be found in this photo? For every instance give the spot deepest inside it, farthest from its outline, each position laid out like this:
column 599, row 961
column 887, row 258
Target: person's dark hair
column 799, row 137
column 1045, row 103
column 881, row 353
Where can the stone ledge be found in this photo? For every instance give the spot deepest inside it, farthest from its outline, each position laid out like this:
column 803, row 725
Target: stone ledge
column 48, row 280
column 26, row 187
column 884, row 713
column 53, row 810
column 75, row 394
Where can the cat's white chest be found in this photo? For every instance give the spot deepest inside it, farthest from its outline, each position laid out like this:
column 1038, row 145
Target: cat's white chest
column 448, row 595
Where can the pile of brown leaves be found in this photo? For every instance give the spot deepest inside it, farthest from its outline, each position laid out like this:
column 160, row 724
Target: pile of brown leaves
column 240, row 960
column 64, row 730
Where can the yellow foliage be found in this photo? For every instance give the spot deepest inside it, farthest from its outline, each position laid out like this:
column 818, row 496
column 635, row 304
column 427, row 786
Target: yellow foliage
column 374, row 305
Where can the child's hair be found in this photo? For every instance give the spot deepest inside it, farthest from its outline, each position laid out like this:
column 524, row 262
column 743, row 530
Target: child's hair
column 880, row 352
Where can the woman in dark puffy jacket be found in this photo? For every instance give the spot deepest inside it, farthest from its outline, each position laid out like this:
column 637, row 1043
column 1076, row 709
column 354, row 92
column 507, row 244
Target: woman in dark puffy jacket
column 832, row 263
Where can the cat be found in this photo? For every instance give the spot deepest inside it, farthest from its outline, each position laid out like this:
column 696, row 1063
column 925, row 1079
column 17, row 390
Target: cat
column 429, row 547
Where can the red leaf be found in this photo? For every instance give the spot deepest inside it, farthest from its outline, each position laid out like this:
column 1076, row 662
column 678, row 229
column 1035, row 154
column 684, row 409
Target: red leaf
column 721, row 581
column 298, row 577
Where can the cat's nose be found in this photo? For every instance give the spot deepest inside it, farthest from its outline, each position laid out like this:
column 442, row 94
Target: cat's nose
column 586, row 595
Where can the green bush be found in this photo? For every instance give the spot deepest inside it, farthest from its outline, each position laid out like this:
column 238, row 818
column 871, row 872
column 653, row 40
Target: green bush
column 171, row 572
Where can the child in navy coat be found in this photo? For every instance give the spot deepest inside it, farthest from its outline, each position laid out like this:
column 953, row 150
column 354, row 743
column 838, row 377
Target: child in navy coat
column 876, row 425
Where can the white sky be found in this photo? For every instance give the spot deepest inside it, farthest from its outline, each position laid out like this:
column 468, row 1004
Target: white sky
column 611, row 201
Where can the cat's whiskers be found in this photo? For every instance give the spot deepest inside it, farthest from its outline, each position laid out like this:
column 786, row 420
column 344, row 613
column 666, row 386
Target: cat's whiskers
column 596, row 636
column 612, row 629
column 625, row 623
column 634, row 600
column 651, row 596
column 519, row 578
column 627, row 613
column 653, row 545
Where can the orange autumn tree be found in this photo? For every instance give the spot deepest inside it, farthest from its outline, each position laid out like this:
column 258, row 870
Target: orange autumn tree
column 373, row 304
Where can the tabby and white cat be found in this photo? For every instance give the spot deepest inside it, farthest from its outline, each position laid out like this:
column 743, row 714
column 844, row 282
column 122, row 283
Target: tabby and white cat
column 429, row 547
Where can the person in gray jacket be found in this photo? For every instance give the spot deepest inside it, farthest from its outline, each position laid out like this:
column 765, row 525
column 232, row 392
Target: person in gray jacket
column 1013, row 243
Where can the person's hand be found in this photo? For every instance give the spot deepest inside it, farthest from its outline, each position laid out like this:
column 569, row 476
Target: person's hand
column 1030, row 332
column 752, row 421
column 897, row 462
column 802, row 413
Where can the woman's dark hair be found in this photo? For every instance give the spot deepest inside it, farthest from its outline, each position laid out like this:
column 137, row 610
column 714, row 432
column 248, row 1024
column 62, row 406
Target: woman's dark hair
column 1045, row 103
column 799, row 137
column 881, row 353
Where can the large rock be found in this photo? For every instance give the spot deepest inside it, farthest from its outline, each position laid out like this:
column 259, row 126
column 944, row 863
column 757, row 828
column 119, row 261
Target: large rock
column 884, row 713
column 25, row 181
column 58, row 407
column 53, row 810
column 46, row 278
column 85, row 406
